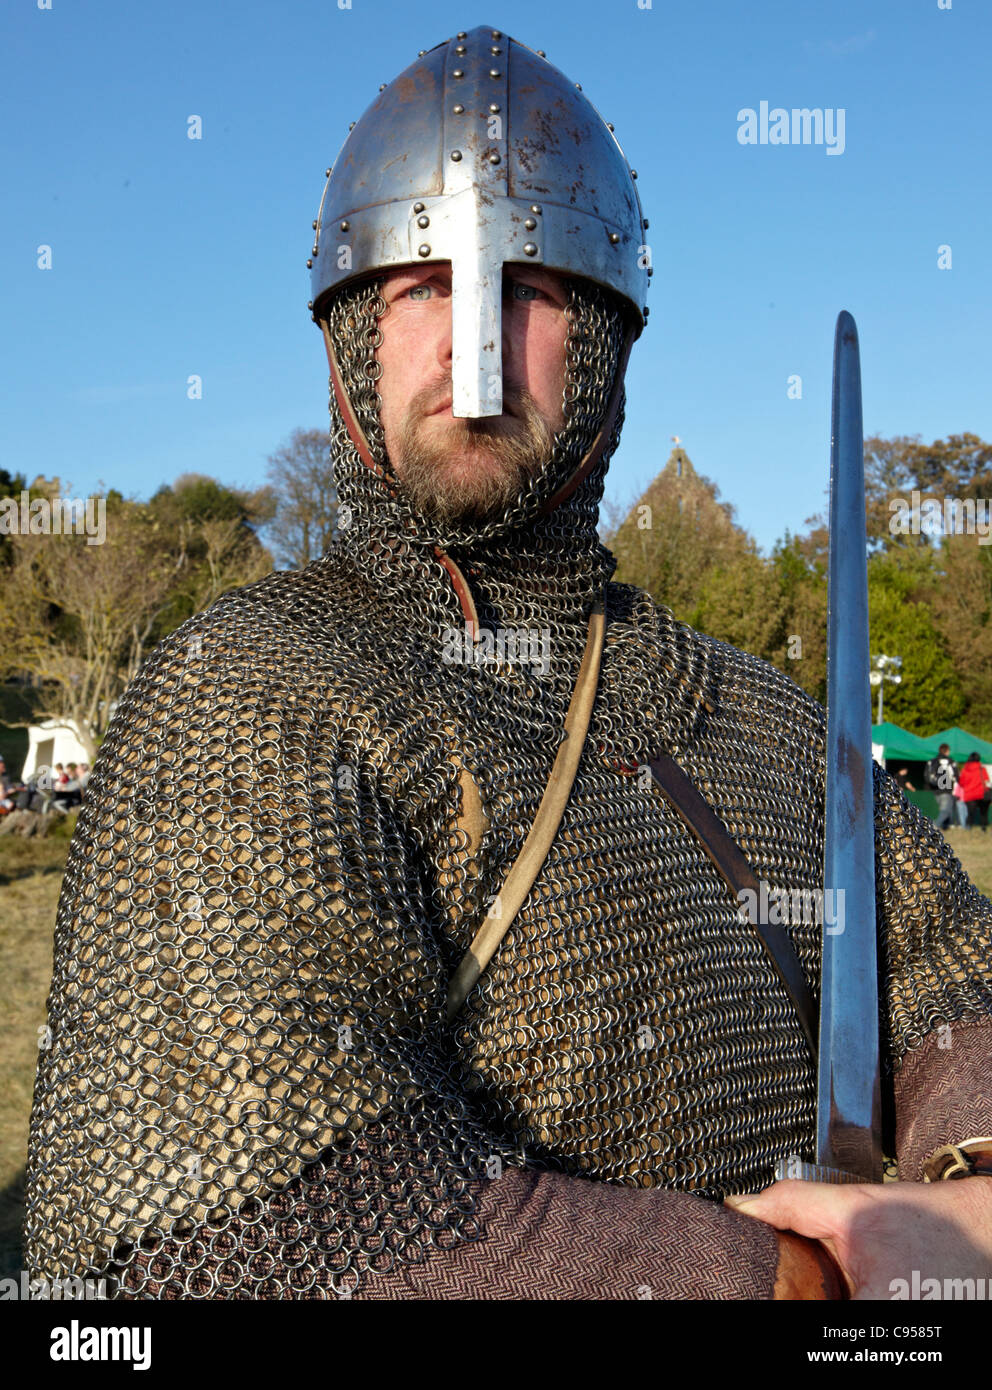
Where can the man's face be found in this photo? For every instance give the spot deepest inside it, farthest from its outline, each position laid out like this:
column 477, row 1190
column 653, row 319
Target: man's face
column 457, row 468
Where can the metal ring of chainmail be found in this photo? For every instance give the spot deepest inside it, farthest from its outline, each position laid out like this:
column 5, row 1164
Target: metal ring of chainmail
column 295, row 825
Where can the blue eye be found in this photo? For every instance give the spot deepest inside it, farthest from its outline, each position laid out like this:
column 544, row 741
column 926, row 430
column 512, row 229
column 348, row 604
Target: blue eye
column 524, row 292
column 420, row 292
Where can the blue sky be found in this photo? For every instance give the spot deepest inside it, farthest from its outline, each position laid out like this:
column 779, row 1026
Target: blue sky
column 173, row 256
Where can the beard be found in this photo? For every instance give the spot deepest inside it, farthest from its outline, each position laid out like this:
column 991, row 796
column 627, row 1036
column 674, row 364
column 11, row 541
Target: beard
column 470, row 469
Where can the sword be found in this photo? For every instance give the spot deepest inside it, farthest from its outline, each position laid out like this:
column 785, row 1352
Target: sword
column 848, row 1097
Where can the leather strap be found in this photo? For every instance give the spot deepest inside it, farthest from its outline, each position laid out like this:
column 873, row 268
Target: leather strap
column 529, row 861
column 737, row 873
column 972, row 1158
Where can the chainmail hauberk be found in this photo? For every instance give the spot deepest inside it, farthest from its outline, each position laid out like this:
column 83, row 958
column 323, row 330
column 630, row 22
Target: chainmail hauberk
column 300, row 816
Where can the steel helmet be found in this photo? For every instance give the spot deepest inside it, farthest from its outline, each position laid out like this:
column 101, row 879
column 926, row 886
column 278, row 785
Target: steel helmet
column 482, row 153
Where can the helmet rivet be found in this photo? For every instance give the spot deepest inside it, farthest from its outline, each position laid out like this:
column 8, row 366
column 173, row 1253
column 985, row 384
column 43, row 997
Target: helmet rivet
column 494, row 158
column 530, row 224
column 496, row 34
column 645, row 223
column 578, row 86
column 313, row 224
column 458, row 72
column 609, row 127
column 314, row 249
column 346, row 226
column 458, row 108
column 646, row 311
column 535, row 208
column 530, row 249
column 456, row 155
column 495, row 50
column 633, row 173
column 541, row 53
column 423, row 221
column 614, row 237
column 650, row 271
column 424, row 250
column 460, row 50
column 351, row 125
column 309, row 303
column 421, row 52
column 461, row 35
column 418, row 207
column 494, row 107
column 309, row 265
column 494, row 72
column 382, row 86
column 327, row 173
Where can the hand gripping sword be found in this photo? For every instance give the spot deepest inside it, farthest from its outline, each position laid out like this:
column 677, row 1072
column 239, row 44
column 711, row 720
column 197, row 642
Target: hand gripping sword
column 848, row 1100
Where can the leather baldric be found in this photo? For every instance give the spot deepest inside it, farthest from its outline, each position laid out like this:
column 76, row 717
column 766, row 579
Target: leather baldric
column 684, row 798
column 737, row 873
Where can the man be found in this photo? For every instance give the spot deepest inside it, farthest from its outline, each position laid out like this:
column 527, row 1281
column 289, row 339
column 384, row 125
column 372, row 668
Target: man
column 320, row 794
column 941, row 774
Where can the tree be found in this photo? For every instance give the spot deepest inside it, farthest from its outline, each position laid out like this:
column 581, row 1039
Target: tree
column 214, row 528
column 743, row 605
column 902, row 624
column 306, row 502
column 81, row 618
column 676, row 536
column 960, row 595
column 11, row 485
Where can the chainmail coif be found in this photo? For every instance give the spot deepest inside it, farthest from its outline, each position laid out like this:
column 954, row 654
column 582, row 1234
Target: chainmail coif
column 296, row 824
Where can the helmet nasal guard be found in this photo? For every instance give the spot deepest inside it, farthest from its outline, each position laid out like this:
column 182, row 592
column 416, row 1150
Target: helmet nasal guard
column 482, row 153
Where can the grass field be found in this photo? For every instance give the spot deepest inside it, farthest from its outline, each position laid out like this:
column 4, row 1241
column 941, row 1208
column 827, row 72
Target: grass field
column 30, row 875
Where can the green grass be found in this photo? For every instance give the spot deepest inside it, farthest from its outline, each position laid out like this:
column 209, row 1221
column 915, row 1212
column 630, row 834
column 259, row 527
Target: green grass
column 975, row 853
column 30, row 878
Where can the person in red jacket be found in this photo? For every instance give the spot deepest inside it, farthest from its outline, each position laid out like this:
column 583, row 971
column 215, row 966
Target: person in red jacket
column 975, row 782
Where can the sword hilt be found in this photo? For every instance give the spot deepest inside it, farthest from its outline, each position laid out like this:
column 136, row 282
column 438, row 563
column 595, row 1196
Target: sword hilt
column 820, row 1276
column 811, row 1172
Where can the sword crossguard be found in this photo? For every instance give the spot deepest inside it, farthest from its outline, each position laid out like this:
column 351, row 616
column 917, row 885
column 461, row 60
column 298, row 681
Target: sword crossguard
column 811, row 1172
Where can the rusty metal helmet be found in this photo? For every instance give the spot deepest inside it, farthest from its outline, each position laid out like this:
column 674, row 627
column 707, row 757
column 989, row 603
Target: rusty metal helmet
column 482, row 153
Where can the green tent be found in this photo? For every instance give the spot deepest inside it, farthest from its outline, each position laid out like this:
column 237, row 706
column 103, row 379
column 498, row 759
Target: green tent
column 901, row 745
column 961, row 743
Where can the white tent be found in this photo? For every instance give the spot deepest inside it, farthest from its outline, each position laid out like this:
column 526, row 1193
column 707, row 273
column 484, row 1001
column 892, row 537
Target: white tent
column 50, row 743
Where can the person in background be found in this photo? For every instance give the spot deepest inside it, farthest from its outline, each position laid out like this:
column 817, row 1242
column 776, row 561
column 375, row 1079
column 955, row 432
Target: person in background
column 941, row 774
column 975, row 785
column 6, row 789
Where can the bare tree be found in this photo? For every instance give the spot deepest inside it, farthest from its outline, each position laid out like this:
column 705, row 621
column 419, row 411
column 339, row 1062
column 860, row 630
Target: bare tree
column 302, row 476
column 81, row 618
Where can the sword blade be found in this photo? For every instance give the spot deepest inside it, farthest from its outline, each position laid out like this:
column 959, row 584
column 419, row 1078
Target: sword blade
column 848, row 1088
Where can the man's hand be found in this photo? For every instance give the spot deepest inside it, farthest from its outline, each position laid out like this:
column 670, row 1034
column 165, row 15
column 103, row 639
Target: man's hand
column 882, row 1232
